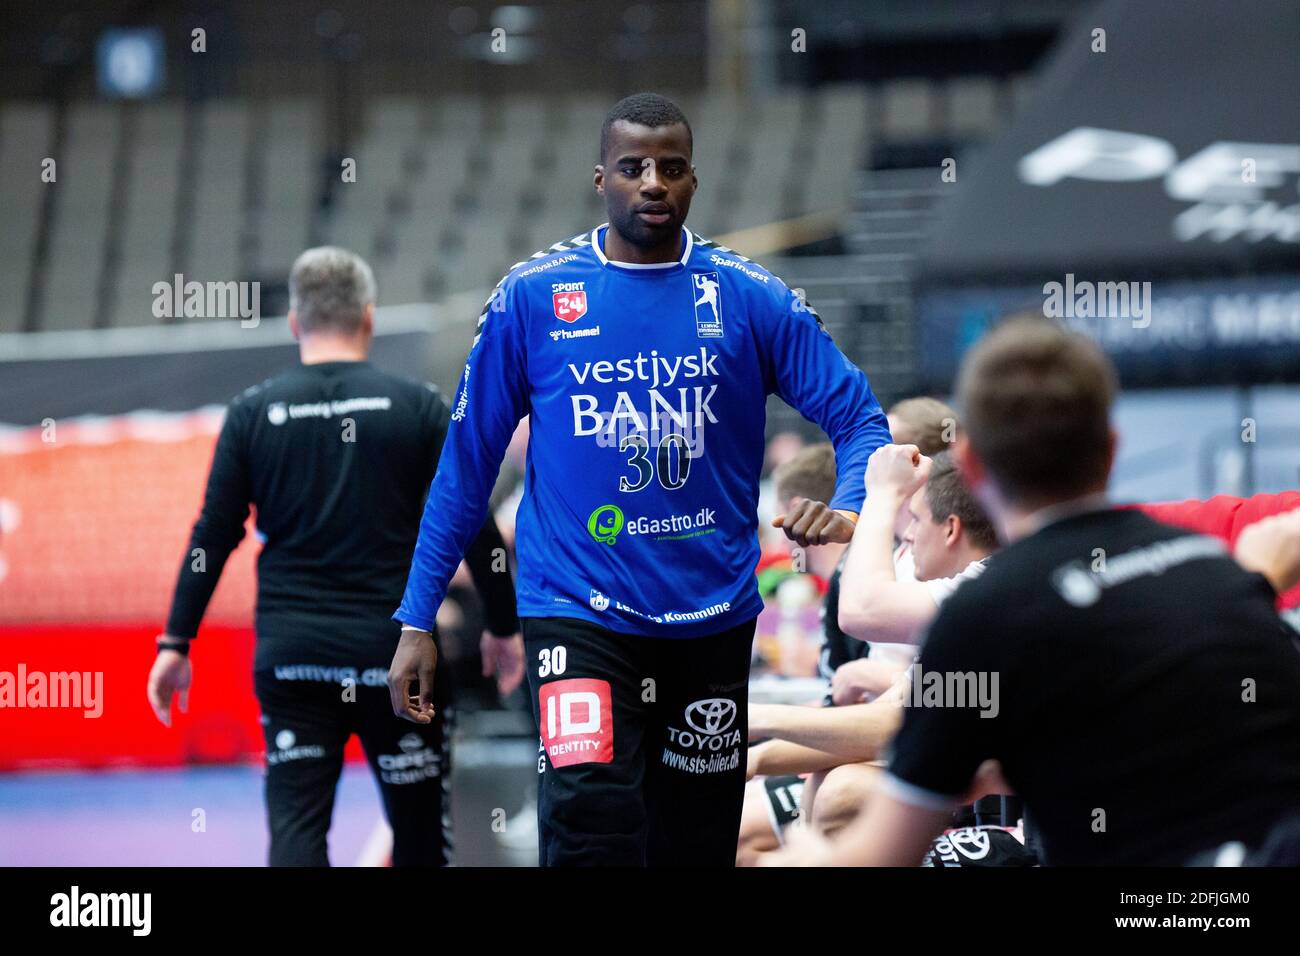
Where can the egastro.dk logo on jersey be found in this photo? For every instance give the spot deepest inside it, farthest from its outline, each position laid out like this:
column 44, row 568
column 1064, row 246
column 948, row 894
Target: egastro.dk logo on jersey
column 605, row 523
column 568, row 300
column 711, row 716
column 608, row 521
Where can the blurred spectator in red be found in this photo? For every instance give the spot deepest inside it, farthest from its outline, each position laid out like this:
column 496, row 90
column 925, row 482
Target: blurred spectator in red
column 1225, row 517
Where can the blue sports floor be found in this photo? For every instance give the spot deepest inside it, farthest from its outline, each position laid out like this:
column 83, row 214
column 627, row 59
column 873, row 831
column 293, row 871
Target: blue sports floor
column 152, row 818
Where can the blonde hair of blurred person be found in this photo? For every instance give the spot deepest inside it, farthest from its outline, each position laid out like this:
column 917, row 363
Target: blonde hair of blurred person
column 925, row 422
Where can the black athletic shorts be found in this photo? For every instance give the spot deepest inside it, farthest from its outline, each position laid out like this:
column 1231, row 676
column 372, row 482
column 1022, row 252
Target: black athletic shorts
column 642, row 743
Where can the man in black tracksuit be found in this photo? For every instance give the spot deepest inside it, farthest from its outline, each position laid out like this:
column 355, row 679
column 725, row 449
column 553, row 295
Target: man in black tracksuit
column 336, row 457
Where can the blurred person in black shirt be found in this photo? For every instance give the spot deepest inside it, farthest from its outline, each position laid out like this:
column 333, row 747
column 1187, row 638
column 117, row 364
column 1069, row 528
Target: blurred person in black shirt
column 336, row 458
column 1143, row 686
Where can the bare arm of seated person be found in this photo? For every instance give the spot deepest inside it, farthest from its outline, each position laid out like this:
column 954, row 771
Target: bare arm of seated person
column 874, row 604
column 774, row 758
column 853, row 733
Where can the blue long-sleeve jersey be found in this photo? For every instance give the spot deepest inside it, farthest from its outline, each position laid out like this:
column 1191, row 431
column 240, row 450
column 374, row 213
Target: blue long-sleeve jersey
column 645, row 387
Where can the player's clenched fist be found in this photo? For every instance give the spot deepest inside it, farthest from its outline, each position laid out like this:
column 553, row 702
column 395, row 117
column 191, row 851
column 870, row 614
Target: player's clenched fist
column 814, row 522
column 898, row 468
column 1271, row 546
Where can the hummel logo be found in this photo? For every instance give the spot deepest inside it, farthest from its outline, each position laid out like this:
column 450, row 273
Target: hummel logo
column 557, row 334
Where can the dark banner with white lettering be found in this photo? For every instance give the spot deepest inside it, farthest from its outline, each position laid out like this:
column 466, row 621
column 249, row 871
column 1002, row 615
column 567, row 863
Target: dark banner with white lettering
column 32, row 391
column 1158, row 333
column 1162, row 134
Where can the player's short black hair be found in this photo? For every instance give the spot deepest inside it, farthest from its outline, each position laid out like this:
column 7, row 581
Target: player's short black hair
column 644, row 109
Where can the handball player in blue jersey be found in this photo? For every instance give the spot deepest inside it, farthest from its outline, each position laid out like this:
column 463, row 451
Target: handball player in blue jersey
column 643, row 355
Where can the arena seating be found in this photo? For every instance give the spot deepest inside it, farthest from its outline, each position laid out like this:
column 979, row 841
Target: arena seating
column 233, row 188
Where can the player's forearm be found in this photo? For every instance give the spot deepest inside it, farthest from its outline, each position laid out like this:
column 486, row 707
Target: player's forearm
column 201, row 566
column 215, row 535
column 869, row 564
column 489, row 404
column 854, row 444
column 871, row 556
column 777, row 757
column 453, row 514
column 819, row 380
column 445, row 533
column 854, row 733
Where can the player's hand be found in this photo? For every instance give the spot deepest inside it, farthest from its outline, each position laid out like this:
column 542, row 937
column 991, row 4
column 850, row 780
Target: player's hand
column 170, row 675
column 415, row 661
column 899, row 690
column 814, row 522
column 1272, row 547
column 861, row 680
column 897, row 468
column 504, row 657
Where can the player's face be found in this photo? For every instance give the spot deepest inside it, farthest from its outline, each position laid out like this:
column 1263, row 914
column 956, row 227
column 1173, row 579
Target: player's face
column 647, row 181
column 926, row 539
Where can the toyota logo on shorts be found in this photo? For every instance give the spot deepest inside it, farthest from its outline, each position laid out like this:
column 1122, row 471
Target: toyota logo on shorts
column 711, row 716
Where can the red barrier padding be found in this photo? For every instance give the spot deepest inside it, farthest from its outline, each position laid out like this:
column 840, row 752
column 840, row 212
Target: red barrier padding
column 221, row 725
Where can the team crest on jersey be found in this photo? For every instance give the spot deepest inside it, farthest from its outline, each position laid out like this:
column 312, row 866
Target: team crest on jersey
column 568, row 300
column 708, row 305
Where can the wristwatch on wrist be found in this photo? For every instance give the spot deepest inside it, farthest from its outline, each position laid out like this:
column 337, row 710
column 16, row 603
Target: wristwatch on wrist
column 180, row 647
